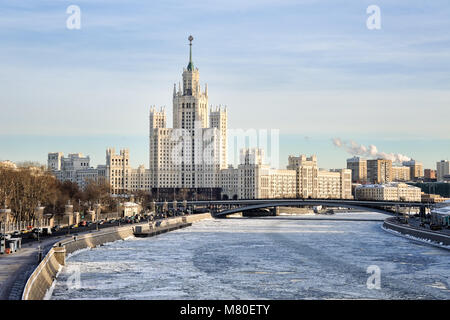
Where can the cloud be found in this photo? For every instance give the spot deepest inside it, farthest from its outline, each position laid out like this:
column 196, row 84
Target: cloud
column 371, row 151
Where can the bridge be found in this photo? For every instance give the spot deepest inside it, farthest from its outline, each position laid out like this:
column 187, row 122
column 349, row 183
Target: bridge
column 222, row 208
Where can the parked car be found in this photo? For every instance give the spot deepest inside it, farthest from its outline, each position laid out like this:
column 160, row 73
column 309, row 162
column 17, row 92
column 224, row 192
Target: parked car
column 46, row 231
column 37, row 230
column 56, row 228
column 82, row 224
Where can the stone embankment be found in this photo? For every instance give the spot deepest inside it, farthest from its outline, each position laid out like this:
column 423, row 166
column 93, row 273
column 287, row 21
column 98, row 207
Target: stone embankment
column 393, row 224
column 45, row 273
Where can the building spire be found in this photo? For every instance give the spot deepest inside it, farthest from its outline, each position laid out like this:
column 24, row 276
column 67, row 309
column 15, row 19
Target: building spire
column 190, row 66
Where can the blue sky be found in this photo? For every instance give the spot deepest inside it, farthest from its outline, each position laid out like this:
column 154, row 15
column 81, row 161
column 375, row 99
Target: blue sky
column 309, row 68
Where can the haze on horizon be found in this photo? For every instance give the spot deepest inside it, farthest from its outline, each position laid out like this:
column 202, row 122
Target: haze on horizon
column 309, row 68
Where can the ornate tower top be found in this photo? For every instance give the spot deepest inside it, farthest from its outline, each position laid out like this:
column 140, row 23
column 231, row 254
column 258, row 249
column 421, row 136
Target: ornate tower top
column 190, row 66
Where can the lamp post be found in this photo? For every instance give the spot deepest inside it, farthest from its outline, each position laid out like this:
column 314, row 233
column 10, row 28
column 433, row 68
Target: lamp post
column 39, row 231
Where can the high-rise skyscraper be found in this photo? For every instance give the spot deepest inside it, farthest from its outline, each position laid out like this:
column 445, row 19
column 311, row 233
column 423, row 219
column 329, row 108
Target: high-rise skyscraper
column 191, row 154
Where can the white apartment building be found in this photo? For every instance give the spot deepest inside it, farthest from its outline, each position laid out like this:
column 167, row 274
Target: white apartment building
column 442, row 169
column 320, row 184
column 334, row 184
column 75, row 168
column 394, row 191
column 307, row 175
column 254, row 180
column 117, row 171
column 192, row 153
column 122, row 177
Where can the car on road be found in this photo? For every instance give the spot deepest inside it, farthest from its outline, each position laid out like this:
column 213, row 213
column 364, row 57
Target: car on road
column 46, row 231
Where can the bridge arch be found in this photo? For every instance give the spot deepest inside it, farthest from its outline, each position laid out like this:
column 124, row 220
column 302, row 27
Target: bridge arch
column 297, row 203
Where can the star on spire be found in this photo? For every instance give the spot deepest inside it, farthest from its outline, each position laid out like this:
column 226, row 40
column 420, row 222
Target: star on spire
column 190, row 66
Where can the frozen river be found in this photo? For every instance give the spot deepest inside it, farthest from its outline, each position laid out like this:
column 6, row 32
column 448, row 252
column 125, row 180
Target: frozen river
column 266, row 258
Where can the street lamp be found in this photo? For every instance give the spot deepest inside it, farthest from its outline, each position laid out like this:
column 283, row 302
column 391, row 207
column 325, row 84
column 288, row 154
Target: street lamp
column 39, row 230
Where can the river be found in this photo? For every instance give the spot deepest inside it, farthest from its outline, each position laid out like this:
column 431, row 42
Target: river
column 266, row 258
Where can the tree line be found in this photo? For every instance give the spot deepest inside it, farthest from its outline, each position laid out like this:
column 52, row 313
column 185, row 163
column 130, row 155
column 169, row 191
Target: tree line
column 24, row 188
column 28, row 186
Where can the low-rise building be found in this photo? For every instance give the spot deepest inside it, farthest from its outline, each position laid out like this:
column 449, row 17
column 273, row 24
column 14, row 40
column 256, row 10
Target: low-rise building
column 394, row 191
column 433, row 198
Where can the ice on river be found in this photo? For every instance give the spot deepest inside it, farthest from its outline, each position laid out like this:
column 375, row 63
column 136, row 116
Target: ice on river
column 266, row 258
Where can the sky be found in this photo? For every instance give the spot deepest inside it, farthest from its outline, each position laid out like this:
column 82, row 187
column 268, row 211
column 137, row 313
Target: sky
column 310, row 69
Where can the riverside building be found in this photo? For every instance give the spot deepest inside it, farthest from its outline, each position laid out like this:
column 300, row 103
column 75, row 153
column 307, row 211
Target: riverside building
column 253, row 179
column 192, row 153
column 311, row 182
column 394, row 191
column 192, row 157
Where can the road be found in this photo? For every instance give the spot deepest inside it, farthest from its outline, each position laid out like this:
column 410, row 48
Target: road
column 15, row 268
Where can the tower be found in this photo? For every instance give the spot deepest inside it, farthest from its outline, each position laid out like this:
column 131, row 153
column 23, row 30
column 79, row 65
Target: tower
column 189, row 103
column 191, row 154
column 218, row 119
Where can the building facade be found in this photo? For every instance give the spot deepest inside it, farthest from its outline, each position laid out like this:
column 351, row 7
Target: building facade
column 311, row 182
column 74, row 168
column 394, row 191
column 359, row 169
column 379, row 171
column 401, row 173
column 192, row 153
column 416, row 169
column 442, row 169
column 254, row 180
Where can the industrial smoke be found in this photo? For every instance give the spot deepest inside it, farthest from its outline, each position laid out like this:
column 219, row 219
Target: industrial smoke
column 371, row 151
